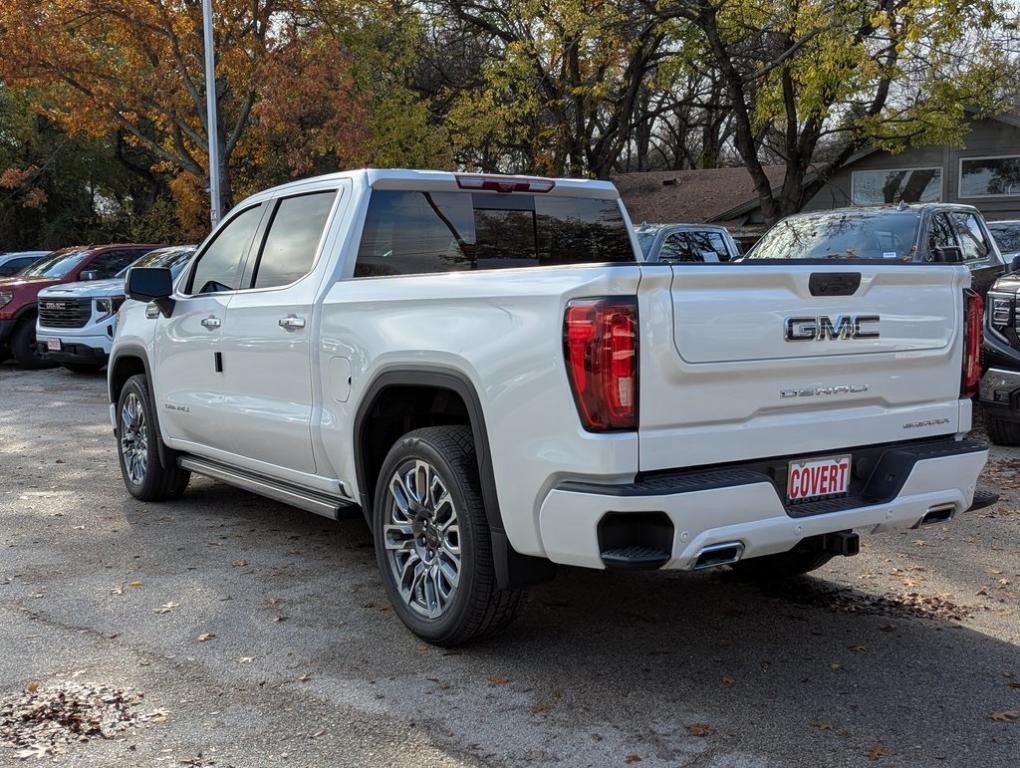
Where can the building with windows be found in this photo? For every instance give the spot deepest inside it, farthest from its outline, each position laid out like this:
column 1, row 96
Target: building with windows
column 983, row 172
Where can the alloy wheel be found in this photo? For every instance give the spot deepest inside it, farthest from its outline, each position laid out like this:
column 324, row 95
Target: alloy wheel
column 422, row 538
column 134, row 439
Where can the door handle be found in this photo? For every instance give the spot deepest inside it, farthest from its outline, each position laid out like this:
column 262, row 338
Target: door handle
column 292, row 322
column 212, row 323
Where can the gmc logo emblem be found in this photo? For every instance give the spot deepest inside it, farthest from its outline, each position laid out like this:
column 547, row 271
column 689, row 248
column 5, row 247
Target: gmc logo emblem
column 824, row 328
column 55, row 305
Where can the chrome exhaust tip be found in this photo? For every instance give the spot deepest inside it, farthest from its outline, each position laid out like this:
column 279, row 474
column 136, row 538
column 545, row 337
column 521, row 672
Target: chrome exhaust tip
column 940, row 513
column 718, row 554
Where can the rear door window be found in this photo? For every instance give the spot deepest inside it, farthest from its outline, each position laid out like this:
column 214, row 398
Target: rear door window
column 293, row 239
column 219, row 266
column 108, row 264
column 972, row 239
column 677, row 247
column 418, row 232
column 940, row 233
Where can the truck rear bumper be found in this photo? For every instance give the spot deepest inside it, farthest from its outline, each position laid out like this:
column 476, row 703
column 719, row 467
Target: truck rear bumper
column 684, row 514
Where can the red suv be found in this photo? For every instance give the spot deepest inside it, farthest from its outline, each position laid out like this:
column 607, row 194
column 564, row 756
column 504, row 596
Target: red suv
column 18, row 294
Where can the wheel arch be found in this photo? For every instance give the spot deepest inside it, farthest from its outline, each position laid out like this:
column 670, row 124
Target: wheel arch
column 512, row 568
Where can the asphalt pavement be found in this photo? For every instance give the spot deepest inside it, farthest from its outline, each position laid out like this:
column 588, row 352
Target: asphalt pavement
column 253, row 634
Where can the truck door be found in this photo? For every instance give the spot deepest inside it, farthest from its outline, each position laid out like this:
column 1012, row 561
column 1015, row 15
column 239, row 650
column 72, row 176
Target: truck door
column 187, row 376
column 268, row 337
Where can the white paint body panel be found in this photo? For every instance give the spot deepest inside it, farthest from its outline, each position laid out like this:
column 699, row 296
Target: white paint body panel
column 712, row 365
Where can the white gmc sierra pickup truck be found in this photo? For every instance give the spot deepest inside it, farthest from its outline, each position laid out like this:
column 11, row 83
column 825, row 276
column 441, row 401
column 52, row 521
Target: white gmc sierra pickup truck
column 483, row 368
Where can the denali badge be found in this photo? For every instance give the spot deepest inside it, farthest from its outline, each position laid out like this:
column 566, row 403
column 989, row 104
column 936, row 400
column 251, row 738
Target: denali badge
column 839, row 389
column 821, row 328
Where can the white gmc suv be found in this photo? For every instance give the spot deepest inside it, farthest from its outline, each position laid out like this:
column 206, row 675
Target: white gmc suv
column 483, row 368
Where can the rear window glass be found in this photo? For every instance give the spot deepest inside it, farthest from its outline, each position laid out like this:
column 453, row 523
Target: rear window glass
column 57, row 264
column 416, row 232
column 842, row 235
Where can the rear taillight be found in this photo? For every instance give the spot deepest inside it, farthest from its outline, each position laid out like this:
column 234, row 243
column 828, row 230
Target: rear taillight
column 600, row 346
column 973, row 327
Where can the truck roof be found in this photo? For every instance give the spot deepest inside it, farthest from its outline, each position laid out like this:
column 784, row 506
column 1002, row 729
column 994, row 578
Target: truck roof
column 401, row 178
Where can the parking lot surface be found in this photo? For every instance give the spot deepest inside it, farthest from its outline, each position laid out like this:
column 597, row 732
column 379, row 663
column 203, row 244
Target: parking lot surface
column 258, row 635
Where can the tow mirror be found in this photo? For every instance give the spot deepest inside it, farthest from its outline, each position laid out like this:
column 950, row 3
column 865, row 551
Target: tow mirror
column 1014, row 265
column 151, row 284
column 949, row 254
column 89, row 274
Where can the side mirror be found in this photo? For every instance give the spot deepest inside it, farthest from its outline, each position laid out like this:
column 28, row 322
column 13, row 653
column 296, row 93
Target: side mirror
column 950, row 254
column 89, row 274
column 151, row 284
column 1014, row 265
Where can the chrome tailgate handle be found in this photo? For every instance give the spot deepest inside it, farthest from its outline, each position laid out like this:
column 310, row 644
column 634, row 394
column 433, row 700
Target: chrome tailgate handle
column 211, row 323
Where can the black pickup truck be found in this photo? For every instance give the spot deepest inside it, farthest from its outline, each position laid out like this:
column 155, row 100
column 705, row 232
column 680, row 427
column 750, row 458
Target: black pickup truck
column 922, row 232
column 999, row 393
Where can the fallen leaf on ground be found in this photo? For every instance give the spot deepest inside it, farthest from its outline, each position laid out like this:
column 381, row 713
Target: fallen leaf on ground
column 304, row 678
column 246, row 659
column 205, row 636
column 700, row 729
column 877, row 752
column 134, row 584
column 166, row 607
column 239, row 563
column 823, row 725
column 1006, row 715
column 541, row 709
column 858, row 648
column 499, row 680
column 632, row 759
column 728, row 680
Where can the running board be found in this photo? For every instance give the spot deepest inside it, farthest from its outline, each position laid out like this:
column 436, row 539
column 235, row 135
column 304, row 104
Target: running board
column 302, row 498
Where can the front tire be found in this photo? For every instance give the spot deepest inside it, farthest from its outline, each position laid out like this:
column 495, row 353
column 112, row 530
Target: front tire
column 433, row 542
column 23, row 346
column 1002, row 432
column 138, row 447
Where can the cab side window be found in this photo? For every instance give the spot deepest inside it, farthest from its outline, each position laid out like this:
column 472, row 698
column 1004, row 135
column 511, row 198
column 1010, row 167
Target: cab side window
column 293, row 239
column 677, row 247
column 972, row 239
column 108, row 264
column 219, row 266
column 14, row 266
column 940, row 233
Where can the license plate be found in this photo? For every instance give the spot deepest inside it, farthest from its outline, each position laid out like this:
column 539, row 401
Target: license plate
column 53, row 345
column 818, row 478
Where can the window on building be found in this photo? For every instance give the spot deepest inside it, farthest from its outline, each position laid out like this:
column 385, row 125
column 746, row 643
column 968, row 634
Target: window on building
column 907, row 185
column 990, row 176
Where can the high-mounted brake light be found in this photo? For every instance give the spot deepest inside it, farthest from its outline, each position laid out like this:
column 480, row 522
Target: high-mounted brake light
column 600, row 347
column 504, row 183
column 973, row 330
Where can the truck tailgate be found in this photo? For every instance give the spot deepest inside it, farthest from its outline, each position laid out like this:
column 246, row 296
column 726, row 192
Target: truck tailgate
column 763, row 360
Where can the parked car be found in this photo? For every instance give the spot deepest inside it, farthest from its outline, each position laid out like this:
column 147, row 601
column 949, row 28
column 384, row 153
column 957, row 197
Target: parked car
column 679, row 243
column 76, row 321
column 1000, row 386
column 18, row 293
column 13, row 262
column 1007, row 237
column 925, row 232
column 484, row 367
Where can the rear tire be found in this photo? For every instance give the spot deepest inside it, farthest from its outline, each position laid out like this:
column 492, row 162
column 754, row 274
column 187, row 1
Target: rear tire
column 432, row 539
column 138, row 447
column 784, row 565
column 23, row 346
column 1002, row 432
column 84, row 367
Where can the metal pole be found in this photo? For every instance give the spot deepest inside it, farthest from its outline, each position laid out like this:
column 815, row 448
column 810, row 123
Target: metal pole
column 210, row 103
